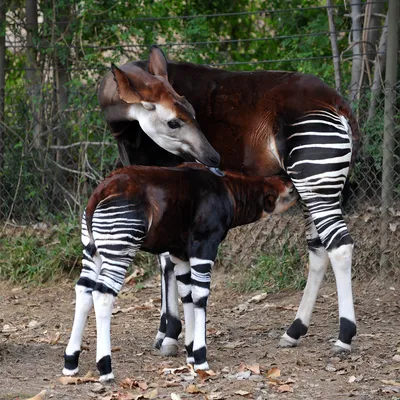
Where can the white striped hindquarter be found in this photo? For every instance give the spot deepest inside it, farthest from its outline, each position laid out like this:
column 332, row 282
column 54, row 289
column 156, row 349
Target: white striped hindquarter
column 118, row 231
column 319, row 149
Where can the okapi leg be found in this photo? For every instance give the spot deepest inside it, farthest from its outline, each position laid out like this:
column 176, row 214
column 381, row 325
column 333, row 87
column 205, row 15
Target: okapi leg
column 319, row 151
column 119, row 229
column 83, row 305
column 169, row 346
column 163, row 312
column 183, row 277
column 318, row 263
column 200, row 280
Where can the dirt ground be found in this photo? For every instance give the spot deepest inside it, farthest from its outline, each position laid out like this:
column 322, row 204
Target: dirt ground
column 243, row 332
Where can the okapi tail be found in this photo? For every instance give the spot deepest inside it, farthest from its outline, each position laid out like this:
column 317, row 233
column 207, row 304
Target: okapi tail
column 97, row 196
column 345, row 110
column 91, row 207
column 356, row 139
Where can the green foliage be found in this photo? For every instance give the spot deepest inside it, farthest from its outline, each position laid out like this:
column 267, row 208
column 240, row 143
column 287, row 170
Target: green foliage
column 274, row 272
column 41, row 256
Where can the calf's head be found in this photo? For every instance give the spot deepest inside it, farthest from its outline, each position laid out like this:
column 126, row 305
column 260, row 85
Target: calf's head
column 166, row 117
column 279, row 194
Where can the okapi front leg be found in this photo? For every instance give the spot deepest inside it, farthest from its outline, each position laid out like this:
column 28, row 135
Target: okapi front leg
column 183, row 277
column 200, row 280
column 169, row 346
column 170, row 323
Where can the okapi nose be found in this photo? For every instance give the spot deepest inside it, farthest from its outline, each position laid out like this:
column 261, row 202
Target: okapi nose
column 214, row 159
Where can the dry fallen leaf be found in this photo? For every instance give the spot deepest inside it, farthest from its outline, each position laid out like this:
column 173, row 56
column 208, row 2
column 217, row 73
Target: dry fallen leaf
column 204, row 375
column 177, row 371
column 194, row 389
column 130, row 280
column 215, row 396
column 274, row 373
column 51, row 339
column 39, row 396
column 284, row 389
column 151, row 395
column 255, row 368
column 391, row 383
column 242, row 392
column 76, row 380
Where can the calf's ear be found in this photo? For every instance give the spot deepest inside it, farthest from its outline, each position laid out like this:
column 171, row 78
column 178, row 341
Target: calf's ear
column 270, row 201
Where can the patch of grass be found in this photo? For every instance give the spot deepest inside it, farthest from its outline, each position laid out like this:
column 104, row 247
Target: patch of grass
column 39, row 256
column 274, row 272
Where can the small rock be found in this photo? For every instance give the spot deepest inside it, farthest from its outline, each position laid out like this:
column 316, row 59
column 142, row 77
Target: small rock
column 33, row 323
column 7, row 329
column 258, row 298
column 330, row 368
column 396, row 358
column 243, row 375
column 97, row 388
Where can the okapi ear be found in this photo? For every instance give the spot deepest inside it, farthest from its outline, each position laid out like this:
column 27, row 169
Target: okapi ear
column 141, row 86
column 157, row 62
column 270, row 201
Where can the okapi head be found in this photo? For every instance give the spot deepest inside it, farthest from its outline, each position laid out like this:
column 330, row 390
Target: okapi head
column 279, row 194
column 166, row 117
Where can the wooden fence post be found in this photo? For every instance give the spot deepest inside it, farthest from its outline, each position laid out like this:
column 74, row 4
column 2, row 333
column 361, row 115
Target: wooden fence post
column 389, row 125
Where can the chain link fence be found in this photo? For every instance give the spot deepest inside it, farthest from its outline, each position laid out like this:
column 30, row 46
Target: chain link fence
column 55, row 146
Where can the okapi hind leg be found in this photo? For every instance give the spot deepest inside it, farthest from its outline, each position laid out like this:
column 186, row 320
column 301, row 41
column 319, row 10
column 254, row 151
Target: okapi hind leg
column 318, row 263
column 83, row 304
column 319, row 150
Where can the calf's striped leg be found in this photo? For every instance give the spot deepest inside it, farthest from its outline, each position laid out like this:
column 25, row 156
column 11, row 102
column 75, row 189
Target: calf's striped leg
column 84, row 302
column 118, row 235
column 183, row 277
column 319, row 153
column 169, row 346
column 200, row 280
column 118, row 231
column 163, row 312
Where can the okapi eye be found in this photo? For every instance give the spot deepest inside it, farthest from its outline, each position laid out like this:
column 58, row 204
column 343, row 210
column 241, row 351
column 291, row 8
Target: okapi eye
column 174, row 124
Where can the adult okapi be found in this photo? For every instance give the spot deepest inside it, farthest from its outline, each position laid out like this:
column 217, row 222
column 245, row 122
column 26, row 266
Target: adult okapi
column 261, row 123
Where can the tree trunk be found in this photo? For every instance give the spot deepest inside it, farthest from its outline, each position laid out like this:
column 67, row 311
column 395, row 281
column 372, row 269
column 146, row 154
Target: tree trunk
column 2, row 90
column 32, row 71
column 375, row 26
column 334, row 44
column 389, row 124
column 380, row 62
column 356, row 31
column 61, row 73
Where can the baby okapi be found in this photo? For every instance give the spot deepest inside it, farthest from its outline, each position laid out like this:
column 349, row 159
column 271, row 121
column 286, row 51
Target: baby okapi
column 186, row 211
